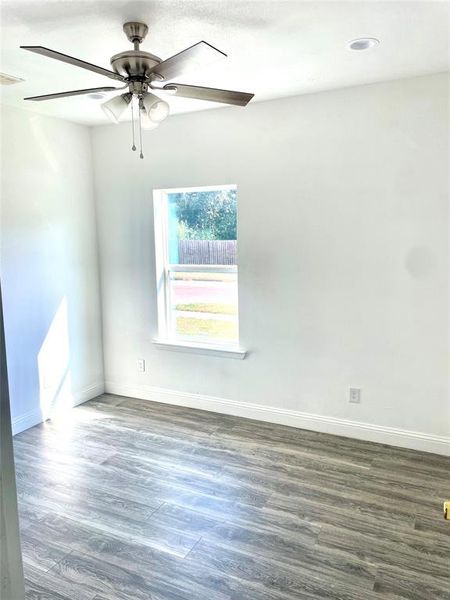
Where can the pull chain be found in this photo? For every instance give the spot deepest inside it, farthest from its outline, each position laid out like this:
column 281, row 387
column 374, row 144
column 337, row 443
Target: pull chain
column 133, row 147
column 140, row 126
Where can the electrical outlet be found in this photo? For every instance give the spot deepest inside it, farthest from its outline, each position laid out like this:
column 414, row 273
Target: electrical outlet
column 141, row 365
column 354, row 395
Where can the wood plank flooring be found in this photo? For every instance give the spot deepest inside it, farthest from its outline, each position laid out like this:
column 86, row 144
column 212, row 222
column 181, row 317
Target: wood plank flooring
column 132, row 500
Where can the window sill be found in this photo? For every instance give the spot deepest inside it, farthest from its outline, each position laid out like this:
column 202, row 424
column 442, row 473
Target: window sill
column 195, row 348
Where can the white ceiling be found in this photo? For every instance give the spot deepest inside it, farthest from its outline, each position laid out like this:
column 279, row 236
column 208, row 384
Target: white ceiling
column 275, row 48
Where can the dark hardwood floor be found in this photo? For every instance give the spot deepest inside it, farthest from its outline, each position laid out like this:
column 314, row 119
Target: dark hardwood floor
column 142, row 501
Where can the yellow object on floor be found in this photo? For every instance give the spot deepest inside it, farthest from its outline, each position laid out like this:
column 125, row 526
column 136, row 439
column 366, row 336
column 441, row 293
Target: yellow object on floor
column 447, row 510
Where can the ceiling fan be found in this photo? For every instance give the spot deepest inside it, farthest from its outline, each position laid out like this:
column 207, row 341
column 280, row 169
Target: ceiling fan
column 141, row 71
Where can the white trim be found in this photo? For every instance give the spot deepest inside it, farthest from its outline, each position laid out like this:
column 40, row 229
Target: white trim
column 198, row 188
column 23, row 422
column 88, row 393
column 197, row 348
column 393, row 436
column 34, row 417
column 164, row 269
column 202, row 268
column 161, row 259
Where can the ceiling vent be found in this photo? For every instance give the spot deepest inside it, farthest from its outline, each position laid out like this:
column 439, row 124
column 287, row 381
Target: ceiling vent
column 9, row 79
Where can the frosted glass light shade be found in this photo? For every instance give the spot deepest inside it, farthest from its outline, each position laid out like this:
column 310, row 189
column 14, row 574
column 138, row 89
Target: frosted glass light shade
column 115, row 107
column 156, row 109
column 146, row 122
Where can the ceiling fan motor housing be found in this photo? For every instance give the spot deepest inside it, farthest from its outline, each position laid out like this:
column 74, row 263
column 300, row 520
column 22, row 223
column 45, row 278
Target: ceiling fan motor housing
column 134, row 63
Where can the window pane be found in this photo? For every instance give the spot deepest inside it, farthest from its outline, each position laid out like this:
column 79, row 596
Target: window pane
column 202, row 227
column 204, row 306
column 198, row 264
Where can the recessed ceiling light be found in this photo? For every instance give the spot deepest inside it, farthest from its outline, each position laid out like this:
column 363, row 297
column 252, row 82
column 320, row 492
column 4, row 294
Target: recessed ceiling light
column 363, row 43
column 96, row 96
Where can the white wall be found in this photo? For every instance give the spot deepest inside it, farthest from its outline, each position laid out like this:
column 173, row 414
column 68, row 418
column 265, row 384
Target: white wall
column 343, row 258
column 49, row 265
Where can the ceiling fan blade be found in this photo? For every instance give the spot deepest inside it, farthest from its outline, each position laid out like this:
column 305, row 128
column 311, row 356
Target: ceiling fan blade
column 72, row 61
column 72, row 93
column 198, row 55
column 211, row 94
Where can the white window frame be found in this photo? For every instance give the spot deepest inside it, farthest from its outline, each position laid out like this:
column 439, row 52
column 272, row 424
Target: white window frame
column 166, row 340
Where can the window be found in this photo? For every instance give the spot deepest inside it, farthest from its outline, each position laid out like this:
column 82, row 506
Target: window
column 196, row 260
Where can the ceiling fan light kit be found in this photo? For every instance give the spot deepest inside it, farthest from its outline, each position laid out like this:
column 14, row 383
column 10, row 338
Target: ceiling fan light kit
column 116, row 106
column 146, row 122
column 156, row 108
column 141, row 71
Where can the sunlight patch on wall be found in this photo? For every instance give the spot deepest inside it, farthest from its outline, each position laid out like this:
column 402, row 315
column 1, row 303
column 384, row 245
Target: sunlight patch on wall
column 54, row 366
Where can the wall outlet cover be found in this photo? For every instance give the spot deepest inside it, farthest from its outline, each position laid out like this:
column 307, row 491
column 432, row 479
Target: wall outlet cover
column 354, row 395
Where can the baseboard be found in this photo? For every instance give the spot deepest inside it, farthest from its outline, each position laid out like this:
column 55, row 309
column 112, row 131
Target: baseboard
column 392, row 436
column 25, row 421
column 34, row 417
column 88, row 393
